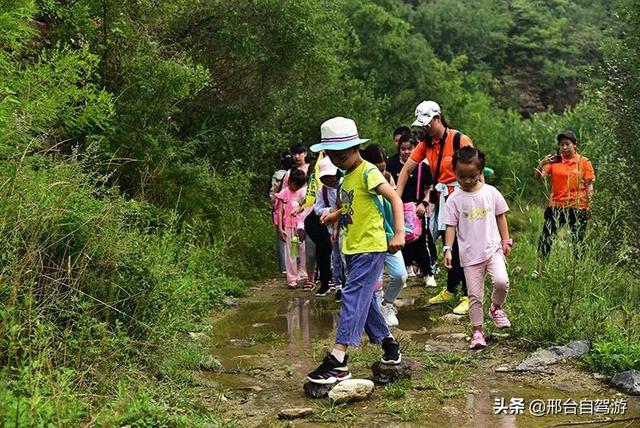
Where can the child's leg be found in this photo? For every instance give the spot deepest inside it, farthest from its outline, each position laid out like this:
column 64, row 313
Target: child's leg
column 398, row 273
column 336, row 263
column 309, row 260
column 291, row 263
column 343, row 259
column 456, row 275
column 475, row 283
column 357, row 299
column 302, row 251
column 498, row 271
column 280, row 250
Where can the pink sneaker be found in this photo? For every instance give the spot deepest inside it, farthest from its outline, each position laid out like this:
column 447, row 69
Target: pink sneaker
column 477, row 341
column 499, row 317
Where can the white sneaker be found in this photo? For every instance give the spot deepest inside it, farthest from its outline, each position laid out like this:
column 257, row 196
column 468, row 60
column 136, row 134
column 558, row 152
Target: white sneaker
column 430, row 281
column 389, row 313
column 410, row 272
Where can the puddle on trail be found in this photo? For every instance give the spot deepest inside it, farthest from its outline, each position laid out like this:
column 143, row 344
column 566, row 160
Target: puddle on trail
column 276, row 336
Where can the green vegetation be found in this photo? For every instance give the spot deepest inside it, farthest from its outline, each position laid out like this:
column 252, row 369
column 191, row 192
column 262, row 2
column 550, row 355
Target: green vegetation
column 137, row 139
column 405, row 410
column 397, row 390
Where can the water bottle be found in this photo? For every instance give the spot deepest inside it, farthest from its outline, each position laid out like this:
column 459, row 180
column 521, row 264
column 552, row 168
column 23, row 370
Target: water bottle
column 295, row 241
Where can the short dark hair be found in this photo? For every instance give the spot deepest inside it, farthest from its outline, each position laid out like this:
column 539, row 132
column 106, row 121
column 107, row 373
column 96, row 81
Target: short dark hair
column 297, row 177
column 373, row 153
column 468, row 155
column 297, row 148
column 405, row 138
column 402, row 130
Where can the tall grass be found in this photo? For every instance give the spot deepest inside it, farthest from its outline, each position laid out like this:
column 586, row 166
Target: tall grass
column 96, row 288
column 574, row 298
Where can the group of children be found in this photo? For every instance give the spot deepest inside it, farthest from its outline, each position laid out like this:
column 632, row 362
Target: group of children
column 354, row 198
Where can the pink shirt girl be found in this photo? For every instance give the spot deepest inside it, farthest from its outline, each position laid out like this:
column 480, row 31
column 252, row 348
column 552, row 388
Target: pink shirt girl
column 474, row 216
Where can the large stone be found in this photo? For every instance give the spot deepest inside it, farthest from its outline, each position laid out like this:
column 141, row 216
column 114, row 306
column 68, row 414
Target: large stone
column 351, row 390
column 627, row 382
column 295, row 413
column 384, row 374
column 554, row 354
column 209, row 362
column 317, row 390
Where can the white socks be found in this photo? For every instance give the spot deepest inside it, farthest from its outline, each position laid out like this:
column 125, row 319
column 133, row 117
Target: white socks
column 338, row 354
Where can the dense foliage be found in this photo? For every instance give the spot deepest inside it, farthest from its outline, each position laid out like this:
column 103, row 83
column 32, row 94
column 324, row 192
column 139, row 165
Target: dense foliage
column 137, row 139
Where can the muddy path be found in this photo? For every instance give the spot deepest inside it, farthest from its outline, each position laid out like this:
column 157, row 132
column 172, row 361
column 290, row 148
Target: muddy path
column 274, row 336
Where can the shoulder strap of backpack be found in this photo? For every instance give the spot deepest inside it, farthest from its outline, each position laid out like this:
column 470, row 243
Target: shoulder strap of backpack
column 456, row 141
column 325, row 195
column 376, row 199
column 443, row 141
column 418, row 183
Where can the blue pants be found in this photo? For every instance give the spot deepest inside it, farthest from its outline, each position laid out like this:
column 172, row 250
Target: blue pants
column 397, row 273
column 359, row 309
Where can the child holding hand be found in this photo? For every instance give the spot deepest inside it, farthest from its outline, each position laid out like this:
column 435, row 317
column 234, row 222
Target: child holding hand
column 476, row 213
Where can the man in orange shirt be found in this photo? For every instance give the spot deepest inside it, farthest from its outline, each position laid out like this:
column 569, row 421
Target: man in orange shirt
column 572, row 180
column 437, row 143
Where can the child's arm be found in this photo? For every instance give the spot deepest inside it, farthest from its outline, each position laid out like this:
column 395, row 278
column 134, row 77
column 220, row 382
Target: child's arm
column 503, row 228
column 449, row 237
column 397, row 242
column 407, row 169
column 330, row 216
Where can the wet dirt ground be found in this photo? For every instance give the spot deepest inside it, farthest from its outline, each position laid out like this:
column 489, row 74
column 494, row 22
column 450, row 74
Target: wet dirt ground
column 275, row 336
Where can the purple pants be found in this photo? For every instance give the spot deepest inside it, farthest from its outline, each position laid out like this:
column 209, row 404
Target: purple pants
column 359, row 309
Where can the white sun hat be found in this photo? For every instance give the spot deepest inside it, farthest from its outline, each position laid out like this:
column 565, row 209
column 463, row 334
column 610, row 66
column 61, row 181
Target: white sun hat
column 338, row 133
column 425, row 111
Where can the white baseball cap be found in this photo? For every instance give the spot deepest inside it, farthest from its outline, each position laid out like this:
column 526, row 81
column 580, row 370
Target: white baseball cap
column 425, row 112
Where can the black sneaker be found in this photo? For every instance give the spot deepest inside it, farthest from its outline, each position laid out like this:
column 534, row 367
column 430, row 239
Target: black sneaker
column 330, row 371
column 338, row 295
column 322, row 291
column 391, row 349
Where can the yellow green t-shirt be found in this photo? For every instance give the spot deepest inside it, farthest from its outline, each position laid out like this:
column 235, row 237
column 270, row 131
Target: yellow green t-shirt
column 313, row 185
column 362, row 222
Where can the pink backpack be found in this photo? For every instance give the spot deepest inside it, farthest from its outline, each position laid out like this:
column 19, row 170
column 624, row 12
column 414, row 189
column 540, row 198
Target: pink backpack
column 412, row 223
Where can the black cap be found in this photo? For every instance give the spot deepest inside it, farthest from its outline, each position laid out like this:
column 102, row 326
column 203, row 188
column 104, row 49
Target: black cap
column 568, row 134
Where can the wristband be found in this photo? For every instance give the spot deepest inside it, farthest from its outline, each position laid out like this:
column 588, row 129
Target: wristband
column 446, row 248
column 424, row 203
column 509, row 242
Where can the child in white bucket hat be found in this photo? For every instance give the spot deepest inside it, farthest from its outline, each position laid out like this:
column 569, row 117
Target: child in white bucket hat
column 364, row 245
column 326, row 202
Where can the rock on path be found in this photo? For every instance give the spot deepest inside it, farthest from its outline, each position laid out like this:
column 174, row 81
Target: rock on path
column 627, row 382
column 295, row 413
column 317, row 390
column 388, row 373
column 554, row 354
column 351, row 390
